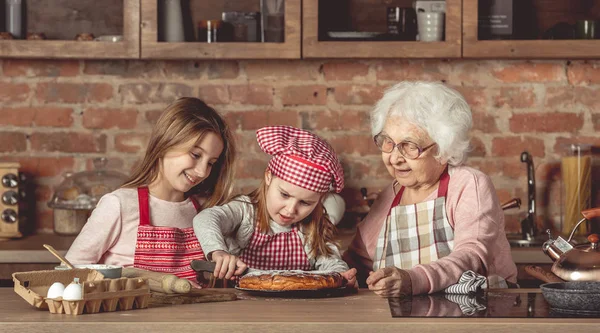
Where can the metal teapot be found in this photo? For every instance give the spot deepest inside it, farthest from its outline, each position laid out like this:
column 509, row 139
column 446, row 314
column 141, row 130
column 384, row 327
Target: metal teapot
column 575, row 263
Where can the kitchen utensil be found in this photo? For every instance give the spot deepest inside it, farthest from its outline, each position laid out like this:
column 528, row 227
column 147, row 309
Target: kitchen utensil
column 581, row 295
column 194, row 296
column 542, row 274
column 109, row 271
column 202, row 267
column 580, row 263
column 431, row 26
column 576, row 171
column 59, row 256
column 160, row 282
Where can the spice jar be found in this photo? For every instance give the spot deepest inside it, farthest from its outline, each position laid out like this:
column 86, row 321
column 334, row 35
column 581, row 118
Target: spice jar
column 76, row 197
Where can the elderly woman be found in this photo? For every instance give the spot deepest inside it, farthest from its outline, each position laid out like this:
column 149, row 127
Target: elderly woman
column 438, row 218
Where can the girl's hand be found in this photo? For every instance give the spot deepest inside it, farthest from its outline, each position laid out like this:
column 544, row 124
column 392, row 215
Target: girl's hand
column 227, row 265
column 350, row 276
column 390, row 282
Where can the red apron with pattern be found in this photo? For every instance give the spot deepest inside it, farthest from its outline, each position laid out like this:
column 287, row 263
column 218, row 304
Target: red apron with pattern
column 282, row 251
column 415, row 234
column 165, row 249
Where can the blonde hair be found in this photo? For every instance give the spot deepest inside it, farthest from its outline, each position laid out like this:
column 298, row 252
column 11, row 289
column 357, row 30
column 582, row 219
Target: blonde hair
column 317, row 224
column 183, row 119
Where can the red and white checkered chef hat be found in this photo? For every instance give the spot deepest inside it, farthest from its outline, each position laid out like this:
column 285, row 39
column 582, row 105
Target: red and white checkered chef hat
column 301, row 158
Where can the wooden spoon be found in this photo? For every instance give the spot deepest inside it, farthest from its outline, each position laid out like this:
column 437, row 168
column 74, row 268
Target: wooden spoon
column 59, row 256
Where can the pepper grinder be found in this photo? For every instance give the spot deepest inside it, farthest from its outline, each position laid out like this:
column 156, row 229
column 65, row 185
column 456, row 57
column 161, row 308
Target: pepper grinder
column 14, row 18
column 173, row 21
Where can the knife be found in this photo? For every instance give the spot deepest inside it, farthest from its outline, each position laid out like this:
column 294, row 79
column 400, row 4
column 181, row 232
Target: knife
column 201, row 266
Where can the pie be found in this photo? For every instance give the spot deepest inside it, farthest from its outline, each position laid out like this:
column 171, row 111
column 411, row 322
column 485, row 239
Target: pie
column 290, row 280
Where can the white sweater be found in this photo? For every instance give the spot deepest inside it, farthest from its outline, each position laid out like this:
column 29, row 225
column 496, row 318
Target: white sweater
column 229, row 228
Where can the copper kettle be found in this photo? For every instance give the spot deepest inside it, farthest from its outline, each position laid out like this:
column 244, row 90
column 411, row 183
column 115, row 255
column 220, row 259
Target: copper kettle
column 575, row 263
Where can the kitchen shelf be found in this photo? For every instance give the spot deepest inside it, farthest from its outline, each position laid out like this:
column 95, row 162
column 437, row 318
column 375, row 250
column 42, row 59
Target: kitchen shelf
column 522, row 49
column 313, row 48
column 71, row 49
column 151, row 48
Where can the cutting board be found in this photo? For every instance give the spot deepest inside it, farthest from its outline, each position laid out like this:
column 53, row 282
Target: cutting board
column 194, row 296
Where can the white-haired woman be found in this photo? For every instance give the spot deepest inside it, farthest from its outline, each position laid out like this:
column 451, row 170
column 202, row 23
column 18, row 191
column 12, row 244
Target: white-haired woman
column 438, row 219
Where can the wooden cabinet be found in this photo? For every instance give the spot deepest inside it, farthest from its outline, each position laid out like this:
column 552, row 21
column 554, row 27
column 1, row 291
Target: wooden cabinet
column 546, row 13
column 313, row 48
column 67, row 19
column 154, row 49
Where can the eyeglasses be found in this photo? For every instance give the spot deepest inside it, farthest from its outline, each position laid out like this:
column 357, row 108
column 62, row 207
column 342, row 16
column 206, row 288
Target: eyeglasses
column 409, row 150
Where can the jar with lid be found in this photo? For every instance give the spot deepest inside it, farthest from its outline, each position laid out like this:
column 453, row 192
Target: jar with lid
column 76, row 197
column 576, row 171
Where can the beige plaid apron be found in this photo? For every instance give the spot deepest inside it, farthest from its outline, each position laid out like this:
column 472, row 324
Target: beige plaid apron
column 415, row 234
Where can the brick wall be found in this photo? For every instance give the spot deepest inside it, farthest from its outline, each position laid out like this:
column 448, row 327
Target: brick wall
column 56, row 116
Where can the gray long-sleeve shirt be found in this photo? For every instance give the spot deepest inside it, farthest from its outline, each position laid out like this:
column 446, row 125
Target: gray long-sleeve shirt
column 230, row 227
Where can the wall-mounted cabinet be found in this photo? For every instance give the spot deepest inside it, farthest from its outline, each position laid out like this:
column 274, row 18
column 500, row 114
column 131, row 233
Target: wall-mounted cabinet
column 107, row 29
column 207, row 36
column 360, row 29
column 531, row 29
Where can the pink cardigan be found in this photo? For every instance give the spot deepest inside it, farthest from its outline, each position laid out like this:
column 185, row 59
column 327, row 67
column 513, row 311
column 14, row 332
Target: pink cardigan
column 480, row 242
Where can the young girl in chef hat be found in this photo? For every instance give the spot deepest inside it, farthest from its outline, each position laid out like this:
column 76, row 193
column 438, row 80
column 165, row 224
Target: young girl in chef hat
column 147, row 223
column 282, row 225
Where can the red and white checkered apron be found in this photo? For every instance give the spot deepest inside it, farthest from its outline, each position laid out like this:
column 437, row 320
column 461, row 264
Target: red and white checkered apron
column 283, row 251
column 415, row 234
column 165, row 249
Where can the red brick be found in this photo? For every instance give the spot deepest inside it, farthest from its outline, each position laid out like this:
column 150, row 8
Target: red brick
column 127, row 69
column 515, row 97
column 43, row 193
column 12, row 142
column 426, row 70
column 246, row 120
column 345, row 71
column 252, row 94
column 13, row 92
column 106, row 118
column 51, row 92
column 44, row 67
column 152, row 116
column 515, row 145
column 41, row 167
column 472, row 73
column 44, row 220
column 285, row 117
column 508, row 168
column 358, row 94
column 304, row 95
column 562, row 146
column 559, row 97
column 214, row 94
column 70, row 142
column 475, row 96
column 289, row 70
column 337, row 120
column 478, row 148
column 587, row 96
column 221, row 69
column 360, row 144
column 484, row 122
column 522, row 72
column 251, row 167
column 366, row 169
column 195, row 69
column 104, row 67
column 131, row 143
column 17, row 116
column 583, row 73
column 546, row 122
column 596, row 121
column 142, row 93
column 112, row 163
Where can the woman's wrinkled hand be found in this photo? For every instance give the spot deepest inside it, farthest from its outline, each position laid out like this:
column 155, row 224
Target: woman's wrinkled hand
column 228, row 265
column 390, row 282
column 350, row 276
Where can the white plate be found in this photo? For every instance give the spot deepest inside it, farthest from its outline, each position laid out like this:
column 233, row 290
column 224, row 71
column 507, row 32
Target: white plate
column 351, row 34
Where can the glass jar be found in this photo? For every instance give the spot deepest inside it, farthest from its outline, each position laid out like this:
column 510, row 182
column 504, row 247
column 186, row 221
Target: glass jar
column 78, row 194
column 576, row 171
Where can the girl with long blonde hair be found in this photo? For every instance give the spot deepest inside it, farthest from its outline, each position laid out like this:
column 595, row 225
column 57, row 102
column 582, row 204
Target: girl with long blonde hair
column 147, row 223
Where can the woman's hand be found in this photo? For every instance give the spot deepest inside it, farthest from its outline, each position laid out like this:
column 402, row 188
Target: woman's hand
column 228, row 265
column 390, row 282
column 350, row 276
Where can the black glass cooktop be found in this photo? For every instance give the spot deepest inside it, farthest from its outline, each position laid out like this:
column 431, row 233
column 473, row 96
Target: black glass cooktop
column 483, row 305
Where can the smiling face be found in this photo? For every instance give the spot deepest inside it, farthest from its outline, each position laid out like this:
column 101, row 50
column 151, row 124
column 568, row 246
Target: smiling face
column 288, row 203
column 185, row 166
column 422, row 172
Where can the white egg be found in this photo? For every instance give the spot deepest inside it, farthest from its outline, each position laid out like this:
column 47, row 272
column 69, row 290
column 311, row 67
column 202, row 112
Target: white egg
column 56, row 290
column 335, row 207
column 74, row 291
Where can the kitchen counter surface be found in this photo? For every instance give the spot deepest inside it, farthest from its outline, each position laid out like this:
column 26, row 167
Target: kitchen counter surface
column 514, row 310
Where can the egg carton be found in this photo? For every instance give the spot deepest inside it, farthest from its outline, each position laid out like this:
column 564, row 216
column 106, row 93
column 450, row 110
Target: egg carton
column 99, row 294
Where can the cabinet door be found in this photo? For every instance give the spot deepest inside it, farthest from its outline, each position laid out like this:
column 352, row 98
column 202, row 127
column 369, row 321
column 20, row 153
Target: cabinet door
column 369, row 33
column 112, row 27
column 195, row 17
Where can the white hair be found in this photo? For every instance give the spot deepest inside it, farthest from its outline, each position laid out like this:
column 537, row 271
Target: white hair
column 440, row 111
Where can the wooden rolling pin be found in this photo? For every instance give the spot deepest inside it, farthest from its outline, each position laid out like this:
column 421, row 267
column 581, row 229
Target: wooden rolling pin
column 542, row 274
column 160, row 282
